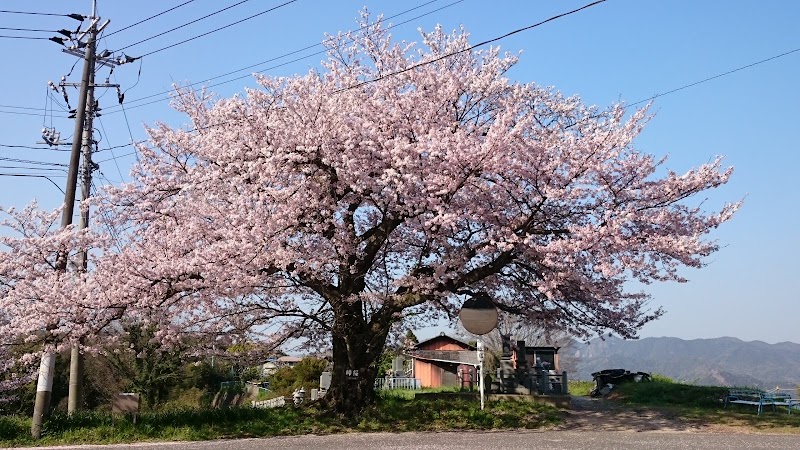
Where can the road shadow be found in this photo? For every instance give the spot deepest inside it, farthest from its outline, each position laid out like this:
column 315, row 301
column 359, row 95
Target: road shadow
column 598, row 414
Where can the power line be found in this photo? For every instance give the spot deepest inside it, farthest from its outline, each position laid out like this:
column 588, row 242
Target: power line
column 149, row 18
column 29, row 29
column 186, row 24
column 20, row 107
column 31, row 175
column 33, row 148
column 128, row 124
column 112, row 151
column 31, row 168
column 263, row 62
column 720, row 75
column 32, row 38
column 480, row 44
column 288, row 54
column 73, row 16
column 501, row 37
column 28, row 161
column 111, row 231
column 220, row 28
column 111, row 111
column 123, row 155
column 417, row 65
column 20, row 113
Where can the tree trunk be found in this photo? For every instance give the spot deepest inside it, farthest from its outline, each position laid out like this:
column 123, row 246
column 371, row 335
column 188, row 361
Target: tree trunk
column 357, row 347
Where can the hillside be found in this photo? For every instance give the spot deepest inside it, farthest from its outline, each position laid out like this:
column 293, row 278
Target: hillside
column 722, row 361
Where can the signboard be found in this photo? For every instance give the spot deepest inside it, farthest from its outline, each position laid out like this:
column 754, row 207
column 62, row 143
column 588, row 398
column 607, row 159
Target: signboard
column 125, row 403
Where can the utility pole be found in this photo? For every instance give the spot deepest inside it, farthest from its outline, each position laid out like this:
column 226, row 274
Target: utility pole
column 75, row 398
column 44, row 386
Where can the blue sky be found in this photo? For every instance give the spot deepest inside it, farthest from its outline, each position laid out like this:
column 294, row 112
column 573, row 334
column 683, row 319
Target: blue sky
column 620, row 50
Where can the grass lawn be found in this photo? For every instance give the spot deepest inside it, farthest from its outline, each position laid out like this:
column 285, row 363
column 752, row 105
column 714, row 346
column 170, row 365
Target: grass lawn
column 396, row 411
column 392, row 413
column 704, row 404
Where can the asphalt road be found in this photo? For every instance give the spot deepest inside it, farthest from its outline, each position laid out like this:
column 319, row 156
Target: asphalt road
column 505, row 440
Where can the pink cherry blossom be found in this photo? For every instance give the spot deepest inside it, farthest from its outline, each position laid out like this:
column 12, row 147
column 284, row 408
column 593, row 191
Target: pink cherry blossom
column 328, row 207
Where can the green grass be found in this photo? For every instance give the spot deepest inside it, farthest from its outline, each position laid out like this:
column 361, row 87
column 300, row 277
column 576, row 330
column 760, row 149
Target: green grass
column 580, row 388
column 390, row 413
column 665, row 392
column 703, row 405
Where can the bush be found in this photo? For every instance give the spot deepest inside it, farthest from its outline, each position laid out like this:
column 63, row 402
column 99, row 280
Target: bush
column 305, row 374
column 661, row 378
column 670, row 393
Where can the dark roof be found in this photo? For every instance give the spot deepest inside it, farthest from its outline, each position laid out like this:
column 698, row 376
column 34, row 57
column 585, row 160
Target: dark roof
column 442, row 336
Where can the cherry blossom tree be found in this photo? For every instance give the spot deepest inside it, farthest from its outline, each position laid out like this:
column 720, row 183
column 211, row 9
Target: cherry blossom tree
column 388, row 186
column 46, row 302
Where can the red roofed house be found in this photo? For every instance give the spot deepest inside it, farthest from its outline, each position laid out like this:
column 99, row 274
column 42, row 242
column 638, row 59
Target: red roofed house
column 444, row 361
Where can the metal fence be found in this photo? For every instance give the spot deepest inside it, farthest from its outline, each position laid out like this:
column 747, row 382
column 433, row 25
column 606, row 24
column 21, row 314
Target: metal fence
column 397, row 383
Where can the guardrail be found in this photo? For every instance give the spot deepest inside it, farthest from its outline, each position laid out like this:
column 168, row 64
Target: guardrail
column 276, row 402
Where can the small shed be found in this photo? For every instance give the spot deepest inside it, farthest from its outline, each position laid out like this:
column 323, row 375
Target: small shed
column 444, row 361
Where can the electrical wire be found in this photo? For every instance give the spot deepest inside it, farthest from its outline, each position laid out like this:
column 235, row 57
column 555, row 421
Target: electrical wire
column 286, row 55
column 470, row 48
column 184, row 25
column 112, row 232
column 720, row 75
column 220, row 28
column 33, row 38
column 130, row 133
column 32, row 168
column 112, row 151
column 20, row 107
column 522, row 29
column 44, row 111
column 34, row 148
column 420, row 64
column 39, row 14
column 125, row 114
column 18, row 113
column 56, row 101
column 29, row 29
column 28, row 161
column 123, row 155
column 149, row 18
column 31, row 175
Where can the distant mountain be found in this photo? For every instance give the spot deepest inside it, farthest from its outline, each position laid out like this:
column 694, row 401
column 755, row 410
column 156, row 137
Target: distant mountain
column 722, row 361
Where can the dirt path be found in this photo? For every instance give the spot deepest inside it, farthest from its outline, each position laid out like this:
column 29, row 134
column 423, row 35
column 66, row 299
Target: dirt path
column 598, row 414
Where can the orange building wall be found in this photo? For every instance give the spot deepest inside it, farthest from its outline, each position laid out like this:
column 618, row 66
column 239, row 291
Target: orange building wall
column 429, row 374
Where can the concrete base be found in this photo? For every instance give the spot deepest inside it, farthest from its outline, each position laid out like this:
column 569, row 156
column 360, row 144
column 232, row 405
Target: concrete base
column 559, row 401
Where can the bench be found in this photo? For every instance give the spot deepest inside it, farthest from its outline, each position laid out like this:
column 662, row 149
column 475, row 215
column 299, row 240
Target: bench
column 784, row 397
column 774, row 397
